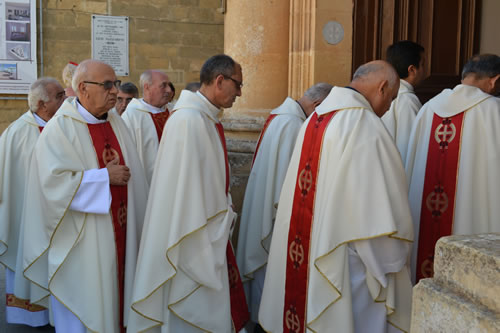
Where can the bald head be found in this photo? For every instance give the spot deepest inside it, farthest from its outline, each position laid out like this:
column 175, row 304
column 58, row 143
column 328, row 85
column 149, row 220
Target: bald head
column 95, row 85
column 378, row 82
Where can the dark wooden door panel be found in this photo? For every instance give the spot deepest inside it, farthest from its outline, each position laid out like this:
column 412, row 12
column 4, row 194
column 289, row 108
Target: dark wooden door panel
column 447, row 29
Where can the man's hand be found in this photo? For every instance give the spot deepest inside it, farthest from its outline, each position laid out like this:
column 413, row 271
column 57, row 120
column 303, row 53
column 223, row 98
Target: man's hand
column 118, row 174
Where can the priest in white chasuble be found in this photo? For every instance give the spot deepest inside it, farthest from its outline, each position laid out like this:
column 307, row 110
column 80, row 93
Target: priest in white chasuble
column 272, row 155
column 343, row 231
column 16, row 147
column 146, row 117
column 85, row 209
column 408, row 59
column 187, row 278
column 453, row 161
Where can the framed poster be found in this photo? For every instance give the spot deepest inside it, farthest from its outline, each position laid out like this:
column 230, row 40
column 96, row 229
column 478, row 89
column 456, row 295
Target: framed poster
column 18, row 64
column 110, row 42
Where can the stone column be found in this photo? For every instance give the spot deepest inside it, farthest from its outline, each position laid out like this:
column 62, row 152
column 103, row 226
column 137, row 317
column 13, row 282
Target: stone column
column 255, row 35
column 284, row 46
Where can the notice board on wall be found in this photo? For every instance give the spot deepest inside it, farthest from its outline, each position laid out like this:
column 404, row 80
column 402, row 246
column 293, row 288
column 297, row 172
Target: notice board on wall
column 18, row 63
column 110, row 42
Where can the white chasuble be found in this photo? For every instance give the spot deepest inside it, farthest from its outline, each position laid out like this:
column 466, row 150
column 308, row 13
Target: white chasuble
column 476, row 208
column 142, row 124
column 16, row 147
column 262, row 195
column 71, row 254
column 182, row 283
column 360, row 234
column 400, row 117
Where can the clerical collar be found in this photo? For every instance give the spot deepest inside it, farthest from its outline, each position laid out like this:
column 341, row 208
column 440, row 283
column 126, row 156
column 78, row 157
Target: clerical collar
column 305, row 114
column 151, row 108
column 39, row 120
column 89, row 117
column 348, row 87
column 214, row 110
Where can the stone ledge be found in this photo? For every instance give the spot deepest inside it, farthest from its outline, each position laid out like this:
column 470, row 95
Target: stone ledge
column 470, row 266
column 437, row 309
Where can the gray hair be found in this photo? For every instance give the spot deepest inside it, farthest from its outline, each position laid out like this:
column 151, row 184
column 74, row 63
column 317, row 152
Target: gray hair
column 67, row 73
column 376, row 67
column 147, row 77
column 38, row 92
column 129, row 88
column 319, row 91
column 80, row 74
column 483, row 66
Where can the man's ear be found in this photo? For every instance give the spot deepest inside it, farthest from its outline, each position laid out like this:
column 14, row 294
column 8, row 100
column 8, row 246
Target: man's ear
column 218, row 80
column 383, row 87
column 82, row 87
column 40, row 105
column 493, row 81
column 412, row 71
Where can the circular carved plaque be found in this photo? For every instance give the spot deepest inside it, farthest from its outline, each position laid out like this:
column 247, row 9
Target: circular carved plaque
column 333, row 32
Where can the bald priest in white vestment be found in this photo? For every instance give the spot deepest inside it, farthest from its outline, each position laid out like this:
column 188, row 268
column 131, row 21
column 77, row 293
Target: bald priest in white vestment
column 87, row 201
column 453, row 162
column 187, row 280
column 146, row 117
column 408, row 59
column 343, row 231
column 16, row 147
column 272, row 155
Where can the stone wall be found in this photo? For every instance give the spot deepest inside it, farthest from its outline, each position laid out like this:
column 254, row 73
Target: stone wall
column 464, row 294
column 176, row 36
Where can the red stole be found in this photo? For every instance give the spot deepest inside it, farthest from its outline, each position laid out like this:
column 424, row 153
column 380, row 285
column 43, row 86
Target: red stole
column 266, row 124
column 299, row 234
column 159, row 119
column 40, row 128
column 107, row 148
column 438, row 196
column 239, row 308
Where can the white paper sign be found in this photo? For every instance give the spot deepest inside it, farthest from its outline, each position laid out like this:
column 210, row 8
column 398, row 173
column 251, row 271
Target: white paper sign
column 18, row 66
column 110, row 42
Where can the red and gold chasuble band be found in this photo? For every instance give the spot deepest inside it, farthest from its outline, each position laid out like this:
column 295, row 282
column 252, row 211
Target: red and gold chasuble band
column 107, row 149
column 239, row 308
column 266, row 125
column 159, row 119
column 438, row 196
column 299, row 234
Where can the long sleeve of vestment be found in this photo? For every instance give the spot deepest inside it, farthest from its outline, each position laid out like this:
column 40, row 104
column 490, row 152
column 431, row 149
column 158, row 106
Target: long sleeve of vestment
column 93, row 195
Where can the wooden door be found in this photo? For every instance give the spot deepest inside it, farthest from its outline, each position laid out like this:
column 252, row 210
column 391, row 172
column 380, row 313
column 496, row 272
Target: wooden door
column 447, row 29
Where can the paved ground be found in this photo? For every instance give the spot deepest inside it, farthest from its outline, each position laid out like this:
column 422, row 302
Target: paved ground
column 10, row 328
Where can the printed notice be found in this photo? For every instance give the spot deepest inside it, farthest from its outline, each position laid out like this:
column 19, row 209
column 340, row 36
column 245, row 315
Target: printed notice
column 110, row 42
column 18, row 66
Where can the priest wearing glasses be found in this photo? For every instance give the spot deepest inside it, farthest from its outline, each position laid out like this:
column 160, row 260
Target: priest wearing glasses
column 86, row 207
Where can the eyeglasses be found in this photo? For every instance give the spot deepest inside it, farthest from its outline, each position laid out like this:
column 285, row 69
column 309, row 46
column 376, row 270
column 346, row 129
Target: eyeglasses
column 107, row 84
column 238, row 84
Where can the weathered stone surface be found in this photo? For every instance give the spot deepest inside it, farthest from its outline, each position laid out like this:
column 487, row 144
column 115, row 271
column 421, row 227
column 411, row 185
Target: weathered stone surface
column 437, row 309
column 464, row 294
column 470, row 265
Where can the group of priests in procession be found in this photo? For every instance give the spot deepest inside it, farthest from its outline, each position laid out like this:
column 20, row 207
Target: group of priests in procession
column 114, row 222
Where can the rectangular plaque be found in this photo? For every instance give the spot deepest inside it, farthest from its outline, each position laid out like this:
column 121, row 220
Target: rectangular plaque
column 110, row 42
column 18, row 66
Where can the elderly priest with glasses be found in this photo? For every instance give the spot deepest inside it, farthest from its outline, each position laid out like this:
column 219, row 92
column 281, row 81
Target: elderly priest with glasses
column 86, row 208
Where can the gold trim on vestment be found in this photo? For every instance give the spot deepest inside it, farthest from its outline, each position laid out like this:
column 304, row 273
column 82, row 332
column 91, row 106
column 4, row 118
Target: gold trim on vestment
column 4, row 252
column 458, row 169
column 50, row 242
column 389, row 234
column 159, row 322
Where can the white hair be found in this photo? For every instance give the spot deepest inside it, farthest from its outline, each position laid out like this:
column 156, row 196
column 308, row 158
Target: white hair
column 38, row 92
column 147, row 77
column 385, row 69
column 67, row 73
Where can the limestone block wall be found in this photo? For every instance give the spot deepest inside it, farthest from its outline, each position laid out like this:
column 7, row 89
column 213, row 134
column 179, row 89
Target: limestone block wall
column 464, row 294
column 176, row 36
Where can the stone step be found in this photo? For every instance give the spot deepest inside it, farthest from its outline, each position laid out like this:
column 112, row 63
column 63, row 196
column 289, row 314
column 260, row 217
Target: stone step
column 438, row 309
column 470, row 266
